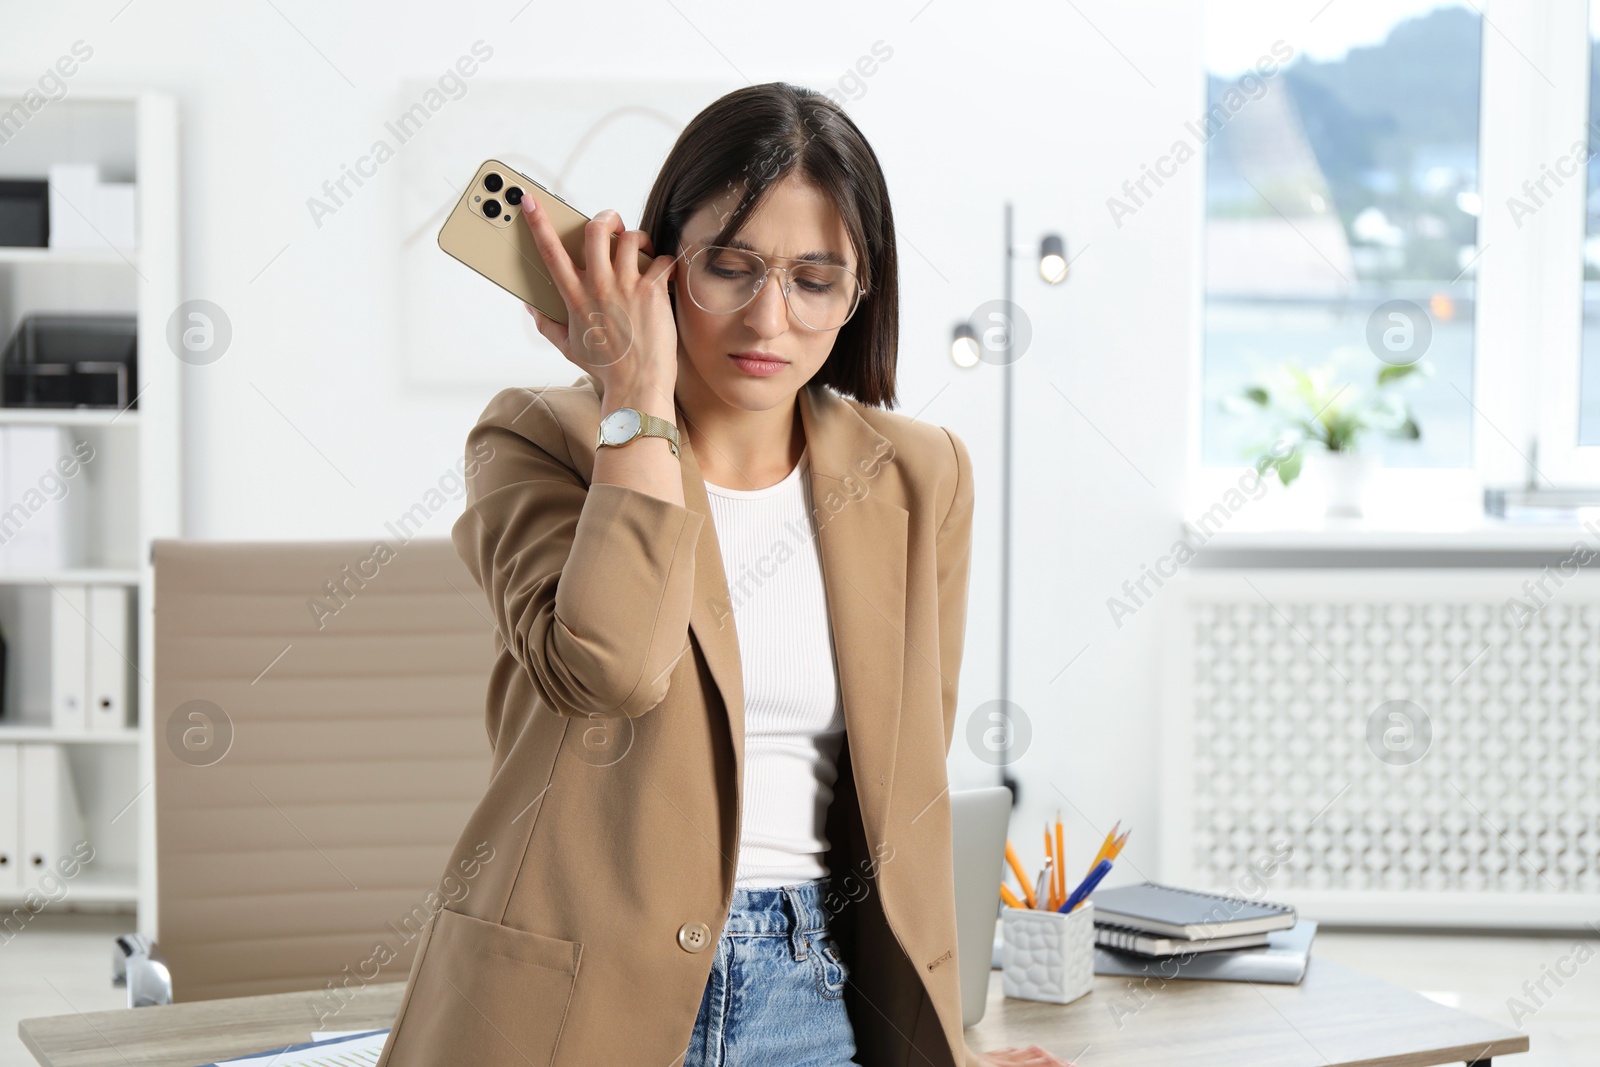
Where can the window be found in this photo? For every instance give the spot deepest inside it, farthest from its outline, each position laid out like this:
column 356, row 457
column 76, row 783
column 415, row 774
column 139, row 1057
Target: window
column 1342, row 210
column 1589, row 376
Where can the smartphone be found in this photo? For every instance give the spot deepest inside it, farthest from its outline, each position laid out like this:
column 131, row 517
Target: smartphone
column 486, row 231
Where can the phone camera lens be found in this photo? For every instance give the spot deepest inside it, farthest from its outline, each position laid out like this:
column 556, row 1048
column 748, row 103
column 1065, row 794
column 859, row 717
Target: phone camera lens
column 491, row 208
column 514, row 196
column 493, row 182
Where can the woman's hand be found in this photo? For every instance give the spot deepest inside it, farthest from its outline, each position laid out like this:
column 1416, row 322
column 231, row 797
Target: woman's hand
column 1032, row 1056
column 619, row 322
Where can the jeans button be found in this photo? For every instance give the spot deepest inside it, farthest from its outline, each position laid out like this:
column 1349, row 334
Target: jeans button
column 694, row 937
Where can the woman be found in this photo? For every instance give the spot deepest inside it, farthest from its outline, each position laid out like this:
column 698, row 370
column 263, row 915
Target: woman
column 729, row 606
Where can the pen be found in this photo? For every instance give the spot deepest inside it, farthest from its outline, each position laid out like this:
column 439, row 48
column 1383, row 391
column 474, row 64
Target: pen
column 1086, row 886
column 1039, row 889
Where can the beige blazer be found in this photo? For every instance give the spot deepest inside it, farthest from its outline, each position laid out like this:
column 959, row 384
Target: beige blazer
column 590, row 885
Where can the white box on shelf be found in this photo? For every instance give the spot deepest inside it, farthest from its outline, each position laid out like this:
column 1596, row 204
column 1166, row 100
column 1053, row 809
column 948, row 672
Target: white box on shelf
column 69, row 656
column 52, row 822
column 1047, row 955
column 72, row 197
column 115, row 215
column 10, row 818
column 45, row 514
column 111, row 656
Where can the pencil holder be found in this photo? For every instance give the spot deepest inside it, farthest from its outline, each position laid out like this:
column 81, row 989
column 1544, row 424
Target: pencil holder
column 1047, row 955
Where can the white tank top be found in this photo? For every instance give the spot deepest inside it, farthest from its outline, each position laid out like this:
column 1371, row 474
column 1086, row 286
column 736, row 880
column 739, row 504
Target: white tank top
column 793, row 714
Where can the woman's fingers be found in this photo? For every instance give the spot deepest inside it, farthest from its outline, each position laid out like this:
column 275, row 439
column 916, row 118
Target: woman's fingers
column 597, row 243
column 553, row 252
column 610, row 315
column 550, row 329
column 629, row 245
column 1030, row 1056
column 660, row 270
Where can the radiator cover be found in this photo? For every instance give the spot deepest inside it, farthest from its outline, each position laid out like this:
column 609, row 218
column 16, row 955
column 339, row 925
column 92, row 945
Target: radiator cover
column 1386, row 747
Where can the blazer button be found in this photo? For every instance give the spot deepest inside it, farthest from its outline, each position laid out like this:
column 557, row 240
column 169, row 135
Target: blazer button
column 694, row 937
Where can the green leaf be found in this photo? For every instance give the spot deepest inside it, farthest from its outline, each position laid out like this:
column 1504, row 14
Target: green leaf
column 1289, row 467
column 1257, row 394
column 1343, row 429
column 1390, row 373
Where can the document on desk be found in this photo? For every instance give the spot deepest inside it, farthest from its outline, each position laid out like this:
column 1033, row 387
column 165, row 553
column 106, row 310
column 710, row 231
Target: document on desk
column 354, row 1048
column 1283, row 960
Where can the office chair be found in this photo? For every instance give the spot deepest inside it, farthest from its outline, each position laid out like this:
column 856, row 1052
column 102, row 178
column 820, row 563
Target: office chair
column 319, row 745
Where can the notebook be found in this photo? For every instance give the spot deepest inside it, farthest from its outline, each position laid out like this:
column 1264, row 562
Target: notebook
column 1283, row 960
column 1188, row 913
column 1127, row 939
column 352, row 1048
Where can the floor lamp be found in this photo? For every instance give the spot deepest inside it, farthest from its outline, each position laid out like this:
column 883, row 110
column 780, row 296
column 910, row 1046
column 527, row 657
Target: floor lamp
column 994, row 340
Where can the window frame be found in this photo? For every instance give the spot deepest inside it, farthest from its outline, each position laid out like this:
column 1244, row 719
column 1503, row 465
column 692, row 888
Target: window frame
column 1528, row 319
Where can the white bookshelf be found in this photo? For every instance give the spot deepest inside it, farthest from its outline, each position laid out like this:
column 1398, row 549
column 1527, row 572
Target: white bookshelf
column 133, row 484
column 68, row 257
column 15, row 734
column 66, row 417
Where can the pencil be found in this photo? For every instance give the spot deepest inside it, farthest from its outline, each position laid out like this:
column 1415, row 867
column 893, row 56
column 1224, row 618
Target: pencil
column 1056, row 864
column 1050, row 882
column 1105, row 848
column 1009, row 897
column 1022, row 875
column 1061, row 866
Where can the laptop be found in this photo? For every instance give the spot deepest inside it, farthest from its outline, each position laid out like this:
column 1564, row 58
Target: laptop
column 979, row 819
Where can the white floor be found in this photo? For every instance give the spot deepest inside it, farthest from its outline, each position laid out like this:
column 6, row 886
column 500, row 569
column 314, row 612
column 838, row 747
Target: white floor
column 60, row 964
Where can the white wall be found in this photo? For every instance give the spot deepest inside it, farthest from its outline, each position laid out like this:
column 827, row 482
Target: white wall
column 306, row 428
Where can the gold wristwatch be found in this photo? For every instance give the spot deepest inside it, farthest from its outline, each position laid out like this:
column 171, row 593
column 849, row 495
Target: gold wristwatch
column 630, row 424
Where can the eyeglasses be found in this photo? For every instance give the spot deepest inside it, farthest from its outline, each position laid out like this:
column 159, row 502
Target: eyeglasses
column 721, row 280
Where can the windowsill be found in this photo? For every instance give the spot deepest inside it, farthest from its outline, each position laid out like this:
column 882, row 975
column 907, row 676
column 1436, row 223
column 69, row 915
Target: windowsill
column 1371, row 535
column 1405, row 511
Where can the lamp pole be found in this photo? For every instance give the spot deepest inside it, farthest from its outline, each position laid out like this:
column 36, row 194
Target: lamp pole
column 1006, row 778
column 967, row 350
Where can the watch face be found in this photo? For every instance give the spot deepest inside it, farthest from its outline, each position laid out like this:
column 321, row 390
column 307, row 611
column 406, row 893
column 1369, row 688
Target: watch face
column 619, row 427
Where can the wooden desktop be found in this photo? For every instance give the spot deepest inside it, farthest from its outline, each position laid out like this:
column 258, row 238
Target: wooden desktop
column 1335, row 1017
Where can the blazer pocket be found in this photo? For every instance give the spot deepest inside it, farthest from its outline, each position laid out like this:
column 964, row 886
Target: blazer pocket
column 485, row 994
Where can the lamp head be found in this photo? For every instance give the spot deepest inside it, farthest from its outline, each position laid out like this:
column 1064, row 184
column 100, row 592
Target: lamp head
column 1053, row 259
column 964, row 348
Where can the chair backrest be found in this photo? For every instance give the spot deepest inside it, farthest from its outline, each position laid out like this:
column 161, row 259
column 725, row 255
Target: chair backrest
column 319, row 745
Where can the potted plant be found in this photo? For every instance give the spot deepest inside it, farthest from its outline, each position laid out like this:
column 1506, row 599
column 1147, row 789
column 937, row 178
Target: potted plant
column 1316, row 425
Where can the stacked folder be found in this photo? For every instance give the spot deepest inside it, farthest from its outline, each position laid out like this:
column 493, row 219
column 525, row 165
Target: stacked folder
column 91, row 657
column 40, row 820
column 44, row 475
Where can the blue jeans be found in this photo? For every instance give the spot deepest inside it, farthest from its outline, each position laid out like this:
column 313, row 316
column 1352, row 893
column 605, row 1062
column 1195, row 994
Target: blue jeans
column 776, row 992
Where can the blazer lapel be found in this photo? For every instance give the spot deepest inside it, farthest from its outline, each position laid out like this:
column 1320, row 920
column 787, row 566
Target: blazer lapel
column 862, row 545
column 862, row 542
column 711, row 614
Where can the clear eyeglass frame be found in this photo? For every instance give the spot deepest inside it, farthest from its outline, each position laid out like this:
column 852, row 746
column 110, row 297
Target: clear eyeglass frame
column 768, row 268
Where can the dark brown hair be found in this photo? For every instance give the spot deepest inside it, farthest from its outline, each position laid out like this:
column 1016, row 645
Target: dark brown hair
column 751, row 139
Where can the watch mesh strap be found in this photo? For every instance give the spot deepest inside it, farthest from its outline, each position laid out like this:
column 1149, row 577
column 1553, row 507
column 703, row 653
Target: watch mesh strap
column 651, row 426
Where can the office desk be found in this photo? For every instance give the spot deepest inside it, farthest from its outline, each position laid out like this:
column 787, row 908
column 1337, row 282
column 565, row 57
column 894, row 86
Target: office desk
column 1334, row 1017
column 183, row 1035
